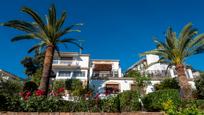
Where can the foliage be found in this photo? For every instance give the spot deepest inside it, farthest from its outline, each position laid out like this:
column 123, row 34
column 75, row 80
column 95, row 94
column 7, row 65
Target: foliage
column 58, row 84
column 49, row 34
column 169, row 83
column 33, row 64
column 75, row 86
column 186, row 108
column 10, row 87
column 154, row 101
column 175, row 49
column 140, row 80
column 110, row 105
column 36, row 77
column 41, row 104
column 9, row 103
column 129, row 101
column 199, row 83
column 30, row 86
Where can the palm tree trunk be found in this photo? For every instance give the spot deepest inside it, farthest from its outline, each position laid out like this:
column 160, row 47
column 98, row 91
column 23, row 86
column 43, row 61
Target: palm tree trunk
column 185, row 89
column 47, row 68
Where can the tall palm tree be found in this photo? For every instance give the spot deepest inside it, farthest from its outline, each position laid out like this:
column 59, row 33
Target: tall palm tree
column 49, row 32
column 176, row 49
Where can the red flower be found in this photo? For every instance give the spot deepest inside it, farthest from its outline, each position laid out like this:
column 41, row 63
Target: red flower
column 60, row 90
column 39, row 92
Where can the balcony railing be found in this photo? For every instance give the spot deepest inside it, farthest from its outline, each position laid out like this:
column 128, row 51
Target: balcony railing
column 101, row 76
column 66, row 62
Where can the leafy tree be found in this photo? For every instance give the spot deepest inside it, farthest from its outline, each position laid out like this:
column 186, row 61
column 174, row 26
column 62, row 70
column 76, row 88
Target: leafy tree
column 33, row 64
column 176, row 49
column 169, row 83
column 141, row 81
column 49, row 34
column 75, row 86
column 36, row 77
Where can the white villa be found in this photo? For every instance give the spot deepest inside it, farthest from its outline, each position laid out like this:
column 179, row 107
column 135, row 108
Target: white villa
column 71, row 65
column 107, row 78
column 158, row 72
column 104, row 76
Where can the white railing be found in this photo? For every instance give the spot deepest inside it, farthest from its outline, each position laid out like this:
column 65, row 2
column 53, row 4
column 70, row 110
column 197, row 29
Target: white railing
column 66, row 62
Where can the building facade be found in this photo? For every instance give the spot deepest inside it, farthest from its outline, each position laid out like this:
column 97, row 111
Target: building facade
column 104, row 76
column 159, row 71
column 71, row 65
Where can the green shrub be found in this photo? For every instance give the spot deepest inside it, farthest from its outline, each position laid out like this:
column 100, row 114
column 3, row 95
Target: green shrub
column 200, row 104
column 110, row 105
column 57, row 84
column 154, row 101
column 75, row 86
column 9, row 103
column 129, row 101
column 169, row 83
column 10, row 87
column 41, row 104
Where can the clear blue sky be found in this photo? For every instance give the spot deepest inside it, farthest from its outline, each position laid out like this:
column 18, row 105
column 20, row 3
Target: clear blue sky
column 113, row 29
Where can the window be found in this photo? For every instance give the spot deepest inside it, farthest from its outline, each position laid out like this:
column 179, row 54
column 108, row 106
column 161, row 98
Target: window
column 64, row 73
column 111, row 89
column 79, row 74
column 66, row 58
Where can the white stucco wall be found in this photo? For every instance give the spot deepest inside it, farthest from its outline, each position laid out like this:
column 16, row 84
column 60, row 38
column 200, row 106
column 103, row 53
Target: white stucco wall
column 99, row 85
column 71, row 77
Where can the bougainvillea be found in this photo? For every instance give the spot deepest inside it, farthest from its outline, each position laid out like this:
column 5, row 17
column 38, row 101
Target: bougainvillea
column 39, row 92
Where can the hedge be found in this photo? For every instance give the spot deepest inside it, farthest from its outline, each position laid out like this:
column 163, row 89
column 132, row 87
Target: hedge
column 154, row 101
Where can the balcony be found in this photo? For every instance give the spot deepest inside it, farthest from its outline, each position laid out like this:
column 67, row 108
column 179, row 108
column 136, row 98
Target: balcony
column 65, row 63
column 101, row 75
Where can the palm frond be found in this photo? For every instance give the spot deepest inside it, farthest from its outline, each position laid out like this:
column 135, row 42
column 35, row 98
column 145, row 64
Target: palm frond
column 20, row 25
column 23, row 37
column 37, row 18
column 70, row 40
column 52, row 16
column 38, row 46
column 61, row 21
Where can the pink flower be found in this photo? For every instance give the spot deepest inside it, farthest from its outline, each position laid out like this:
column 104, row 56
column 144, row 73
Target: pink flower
column 39, row 92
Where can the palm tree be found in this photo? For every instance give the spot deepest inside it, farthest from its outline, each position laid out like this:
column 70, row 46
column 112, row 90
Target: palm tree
column 176, row 49
column 49, row 34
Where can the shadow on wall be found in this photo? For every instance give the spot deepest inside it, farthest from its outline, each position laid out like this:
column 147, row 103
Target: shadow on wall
column 97, row 86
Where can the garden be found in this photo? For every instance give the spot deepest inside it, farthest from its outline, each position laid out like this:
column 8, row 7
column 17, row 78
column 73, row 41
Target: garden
column 16, row 96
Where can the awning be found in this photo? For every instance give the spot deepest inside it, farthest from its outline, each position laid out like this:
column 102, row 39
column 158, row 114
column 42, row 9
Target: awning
column 102, row 67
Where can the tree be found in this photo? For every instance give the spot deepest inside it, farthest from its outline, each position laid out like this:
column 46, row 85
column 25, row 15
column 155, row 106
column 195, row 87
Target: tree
column 75, row 86
column 49, row 35
column 176, row 49
column 33, row 64
column 141, row 81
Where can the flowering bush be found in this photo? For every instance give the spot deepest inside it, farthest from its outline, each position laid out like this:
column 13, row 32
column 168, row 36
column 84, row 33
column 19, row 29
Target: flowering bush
column 39, row 92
